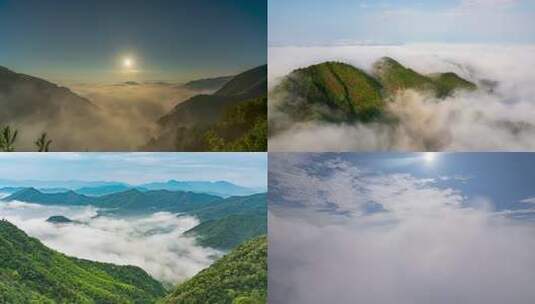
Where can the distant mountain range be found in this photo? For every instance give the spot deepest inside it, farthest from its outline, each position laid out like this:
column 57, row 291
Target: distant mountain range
column 224, row 223
column 187, row 127
column 341, row 93
column 208, row 84
column 218, row 188
column 32, row 273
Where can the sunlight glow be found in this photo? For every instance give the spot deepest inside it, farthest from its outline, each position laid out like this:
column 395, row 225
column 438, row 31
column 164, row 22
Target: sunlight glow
column 429, row 157
column 128, row 62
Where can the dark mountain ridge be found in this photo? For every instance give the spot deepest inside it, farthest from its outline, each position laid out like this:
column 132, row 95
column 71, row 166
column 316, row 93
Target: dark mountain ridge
column 184, row 127
column 208, row 84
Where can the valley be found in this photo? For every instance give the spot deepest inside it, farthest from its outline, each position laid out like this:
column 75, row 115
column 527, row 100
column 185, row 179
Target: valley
column 147, row 243
column 148, row 115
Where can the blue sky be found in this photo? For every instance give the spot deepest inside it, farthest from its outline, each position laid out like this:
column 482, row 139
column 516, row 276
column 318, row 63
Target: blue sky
column 299, row 22
column 246, row 169
column 401, row 228
column 168, row 39
column 503, row 180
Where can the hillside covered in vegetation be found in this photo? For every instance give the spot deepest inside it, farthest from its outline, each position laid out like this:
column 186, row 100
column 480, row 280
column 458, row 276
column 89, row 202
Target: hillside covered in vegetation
column 32, row 273
column 234, row 118
column 238, row 278
column 340, row 93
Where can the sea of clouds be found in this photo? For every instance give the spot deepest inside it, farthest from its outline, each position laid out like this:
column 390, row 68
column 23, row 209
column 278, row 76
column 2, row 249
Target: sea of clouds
column 156, row 243
column 499, row 119
column 325, row 246
column 124, row 117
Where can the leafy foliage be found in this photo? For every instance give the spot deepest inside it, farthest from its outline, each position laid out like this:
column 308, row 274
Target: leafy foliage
column 243, row 128
column 8, row 137
column 238, row 278
column 43, row 143
column 33, row 273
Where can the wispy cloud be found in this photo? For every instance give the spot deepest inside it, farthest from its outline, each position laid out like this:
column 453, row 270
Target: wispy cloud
column 530, row 200
column 427, row 247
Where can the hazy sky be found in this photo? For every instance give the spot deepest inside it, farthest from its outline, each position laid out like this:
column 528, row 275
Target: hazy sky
column 246, row 169
column 88, row 41
column 401, row 228
column 299, row 22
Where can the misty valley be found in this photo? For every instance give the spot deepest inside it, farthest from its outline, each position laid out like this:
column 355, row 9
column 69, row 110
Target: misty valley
column 226, row 113
column 112, row 242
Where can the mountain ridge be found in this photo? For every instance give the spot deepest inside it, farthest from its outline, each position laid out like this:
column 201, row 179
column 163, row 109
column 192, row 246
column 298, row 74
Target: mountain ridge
column 184, row 127
column 337, row 92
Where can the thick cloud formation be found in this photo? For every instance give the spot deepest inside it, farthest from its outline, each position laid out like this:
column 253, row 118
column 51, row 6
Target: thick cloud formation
column 155, row 243
column 329, row 242
column 499, row 116
column 124, row 117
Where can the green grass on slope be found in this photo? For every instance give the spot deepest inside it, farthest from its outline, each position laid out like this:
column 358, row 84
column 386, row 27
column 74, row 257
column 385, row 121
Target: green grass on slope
column 330, row 91
column 33, row 273
column 238, row 278
column 230, row 231
column 340, row 93
column 447, row 83
column 395, row 77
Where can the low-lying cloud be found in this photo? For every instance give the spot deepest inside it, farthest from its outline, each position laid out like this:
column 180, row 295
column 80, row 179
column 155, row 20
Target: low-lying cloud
column 124, row 119
column 429, row 244
column 155, row 243
column 497, row 117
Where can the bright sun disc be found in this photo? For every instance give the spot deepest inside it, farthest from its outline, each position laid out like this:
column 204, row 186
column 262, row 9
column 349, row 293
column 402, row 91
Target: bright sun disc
column 128, row 62
column 429, row 157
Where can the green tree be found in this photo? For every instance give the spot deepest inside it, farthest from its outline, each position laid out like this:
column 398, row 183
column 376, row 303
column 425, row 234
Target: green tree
column 43, row 143
column 8, row 136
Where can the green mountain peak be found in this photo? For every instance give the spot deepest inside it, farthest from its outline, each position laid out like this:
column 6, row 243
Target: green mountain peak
column 331, row 91
column 341, row 93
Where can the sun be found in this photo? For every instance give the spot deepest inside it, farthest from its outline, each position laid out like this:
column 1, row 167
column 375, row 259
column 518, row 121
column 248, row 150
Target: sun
column 128, row 62
column 429, row 157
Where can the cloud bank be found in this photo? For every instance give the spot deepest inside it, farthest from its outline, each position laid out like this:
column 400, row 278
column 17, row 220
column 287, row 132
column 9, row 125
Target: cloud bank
column 330, row 243
column 155, row 243
column 497, row 117
column 124, row 119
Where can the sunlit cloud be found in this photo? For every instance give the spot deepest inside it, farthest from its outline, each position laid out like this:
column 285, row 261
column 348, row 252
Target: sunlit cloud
column 425, row 237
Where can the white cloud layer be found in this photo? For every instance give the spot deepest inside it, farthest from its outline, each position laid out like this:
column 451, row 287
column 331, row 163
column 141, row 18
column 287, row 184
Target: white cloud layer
column 498, row 120
column 155, row 243
column 427, row 247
